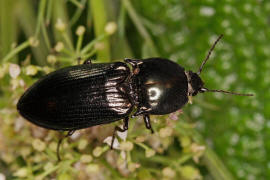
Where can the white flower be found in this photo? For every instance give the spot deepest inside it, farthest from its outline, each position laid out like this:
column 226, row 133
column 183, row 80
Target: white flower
column 108, row 141
column 14, row 70
column 122, row 135
column 2, row 176
column 21, row 172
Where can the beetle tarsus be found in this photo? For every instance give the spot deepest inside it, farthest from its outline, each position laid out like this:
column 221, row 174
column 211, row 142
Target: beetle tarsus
column 60, row 142
column 117, row 128
column 147, row 122
column 141, row 110
column 88, row 61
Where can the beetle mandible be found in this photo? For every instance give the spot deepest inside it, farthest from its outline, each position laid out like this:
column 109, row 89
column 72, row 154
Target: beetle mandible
column 86, row 95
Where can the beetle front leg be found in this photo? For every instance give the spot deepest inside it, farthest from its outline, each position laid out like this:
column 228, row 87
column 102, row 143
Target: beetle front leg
column 147, row 122
column 88, row 61
column 60, row 141
column 125, row 127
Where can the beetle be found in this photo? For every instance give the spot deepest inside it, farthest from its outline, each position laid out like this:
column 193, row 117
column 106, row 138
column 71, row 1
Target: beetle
column 92, row 94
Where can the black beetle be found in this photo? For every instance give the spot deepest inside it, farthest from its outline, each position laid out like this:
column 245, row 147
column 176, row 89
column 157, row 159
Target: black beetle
column 86, row 95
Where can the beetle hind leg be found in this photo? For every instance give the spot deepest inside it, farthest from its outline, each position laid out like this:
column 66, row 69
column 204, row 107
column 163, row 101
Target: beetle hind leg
column 147, row 122
column 60, row 142
column 117, row 128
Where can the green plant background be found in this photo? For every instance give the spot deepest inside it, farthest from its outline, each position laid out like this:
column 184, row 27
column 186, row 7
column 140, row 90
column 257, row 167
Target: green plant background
column 233, row 130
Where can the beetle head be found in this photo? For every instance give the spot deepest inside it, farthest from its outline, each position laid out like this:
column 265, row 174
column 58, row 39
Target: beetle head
column 195, row 83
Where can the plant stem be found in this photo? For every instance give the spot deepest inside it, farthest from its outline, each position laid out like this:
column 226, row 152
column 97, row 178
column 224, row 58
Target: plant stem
column 78, row 13
column 139, row 25
column 100, row 20
column 41, row 10
column 16, row 50
column 215, row 166
column 79, row 43
column 8, row 26
column 48, row 13
column 45, row 36
column 90, row 45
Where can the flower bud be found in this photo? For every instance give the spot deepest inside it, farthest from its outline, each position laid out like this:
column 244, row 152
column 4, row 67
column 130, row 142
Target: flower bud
column 38, row 145
column 80, row 30
column 86, row 158
column 189, row 172
column 21, row 173
column 60, row 25
column 149, row 153
column 31, row 70
column 82, row 144
column 33, row 42
column 165, row 132
column 168, row 172
column 51, row 59
column 126, row 146
column 110, row 28
column 97, row 151
column 92, row 168
column 59, row 47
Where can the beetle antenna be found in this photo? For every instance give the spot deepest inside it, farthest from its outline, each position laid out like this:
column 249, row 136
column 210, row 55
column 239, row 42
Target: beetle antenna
column 209, row 53
column 226, row 92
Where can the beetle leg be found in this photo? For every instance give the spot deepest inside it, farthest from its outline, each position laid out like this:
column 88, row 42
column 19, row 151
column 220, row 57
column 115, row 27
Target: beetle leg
column 117, row 128
column 60, row 141
column 141, row 110
column 126, row 123
column 147, row 122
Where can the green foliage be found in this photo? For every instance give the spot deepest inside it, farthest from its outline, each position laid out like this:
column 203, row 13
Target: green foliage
column 199, row 142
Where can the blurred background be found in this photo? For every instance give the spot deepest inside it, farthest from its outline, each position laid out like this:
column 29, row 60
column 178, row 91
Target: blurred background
column 219, row 136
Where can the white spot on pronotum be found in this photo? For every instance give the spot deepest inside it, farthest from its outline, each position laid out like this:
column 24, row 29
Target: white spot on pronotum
column 207, row 11
column 154, row 93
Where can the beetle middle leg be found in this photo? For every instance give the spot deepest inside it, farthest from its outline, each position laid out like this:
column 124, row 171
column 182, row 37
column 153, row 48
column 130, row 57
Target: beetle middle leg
column 60, row 141
column 117, row 128
column 147, row 122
